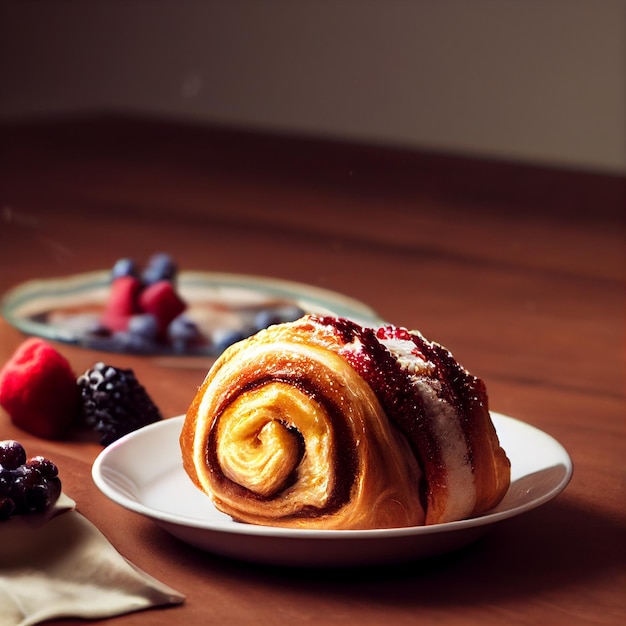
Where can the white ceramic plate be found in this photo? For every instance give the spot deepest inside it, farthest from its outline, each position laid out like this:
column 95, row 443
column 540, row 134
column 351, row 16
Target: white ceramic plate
column 63, row 308
column 143, row 473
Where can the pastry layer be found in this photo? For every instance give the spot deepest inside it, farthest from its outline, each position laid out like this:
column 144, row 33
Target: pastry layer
column 321, row 423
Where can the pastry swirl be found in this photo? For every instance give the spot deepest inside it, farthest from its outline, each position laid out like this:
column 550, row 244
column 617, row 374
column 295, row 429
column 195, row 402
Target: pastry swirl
column 322, row 423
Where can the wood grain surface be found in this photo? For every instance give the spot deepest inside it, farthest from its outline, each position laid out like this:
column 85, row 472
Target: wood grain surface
column 517, row 269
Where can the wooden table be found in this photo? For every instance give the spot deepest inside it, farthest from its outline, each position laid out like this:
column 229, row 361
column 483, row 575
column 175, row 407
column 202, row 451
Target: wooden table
column 517, row 269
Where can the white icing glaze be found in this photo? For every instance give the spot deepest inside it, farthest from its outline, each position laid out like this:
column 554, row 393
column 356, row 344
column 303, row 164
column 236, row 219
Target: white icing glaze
column 445, row 425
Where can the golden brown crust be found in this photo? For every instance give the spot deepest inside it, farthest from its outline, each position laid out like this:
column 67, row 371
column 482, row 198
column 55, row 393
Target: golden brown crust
column 287, row 430
column 352, row 470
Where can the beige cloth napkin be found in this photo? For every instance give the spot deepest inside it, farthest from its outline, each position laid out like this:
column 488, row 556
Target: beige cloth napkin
column 61, row 565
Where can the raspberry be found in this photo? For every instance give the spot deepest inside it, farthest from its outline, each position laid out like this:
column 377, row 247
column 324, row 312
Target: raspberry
column 122, row 303
column 38, row 390
column 161, row 300
column 114, row 402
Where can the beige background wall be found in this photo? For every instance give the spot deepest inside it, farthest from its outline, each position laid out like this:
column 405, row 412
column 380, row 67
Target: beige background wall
column 533, row 80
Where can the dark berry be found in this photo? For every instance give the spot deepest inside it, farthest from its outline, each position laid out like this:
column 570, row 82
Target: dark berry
column 7, row 508
column 37, row 498
column 30, row 487
column 136, row 344
column 124, row 267
column 226, row 338
column 6, row 478
column 114, row 403
column 182, row 333
column 23, row 490
column 44, row 466
column 116, row 342
column 54, row 489
column 160, row 266
column 12, row 454
column 98, row 329
column 277, row 315
column 144, row 325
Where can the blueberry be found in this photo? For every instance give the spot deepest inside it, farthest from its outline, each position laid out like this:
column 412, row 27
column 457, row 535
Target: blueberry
column 124, row 267
column 98, row 329
column 133, row 343
column 224, row 339
column 160, row 266
column 109, row 343
column 290, row 312
column 121, row 342
column 144, row 325
column 183, row 332
column 277, row 315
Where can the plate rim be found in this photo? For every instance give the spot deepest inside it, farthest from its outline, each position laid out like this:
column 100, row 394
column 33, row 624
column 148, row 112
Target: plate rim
column 325, row 534
column 17, row 296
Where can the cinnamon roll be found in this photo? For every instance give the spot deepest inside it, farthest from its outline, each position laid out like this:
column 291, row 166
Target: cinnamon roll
column 323, row 423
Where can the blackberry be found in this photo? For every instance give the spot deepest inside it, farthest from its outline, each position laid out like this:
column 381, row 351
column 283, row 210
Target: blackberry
column 114, row 403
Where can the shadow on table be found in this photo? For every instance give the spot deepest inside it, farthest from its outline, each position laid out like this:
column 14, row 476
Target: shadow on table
column 554, row 546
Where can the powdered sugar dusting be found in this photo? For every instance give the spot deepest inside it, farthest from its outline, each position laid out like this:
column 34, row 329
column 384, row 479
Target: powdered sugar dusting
column 454, row 449
column 408, row 356
column 444, row 421
column 412, row 389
